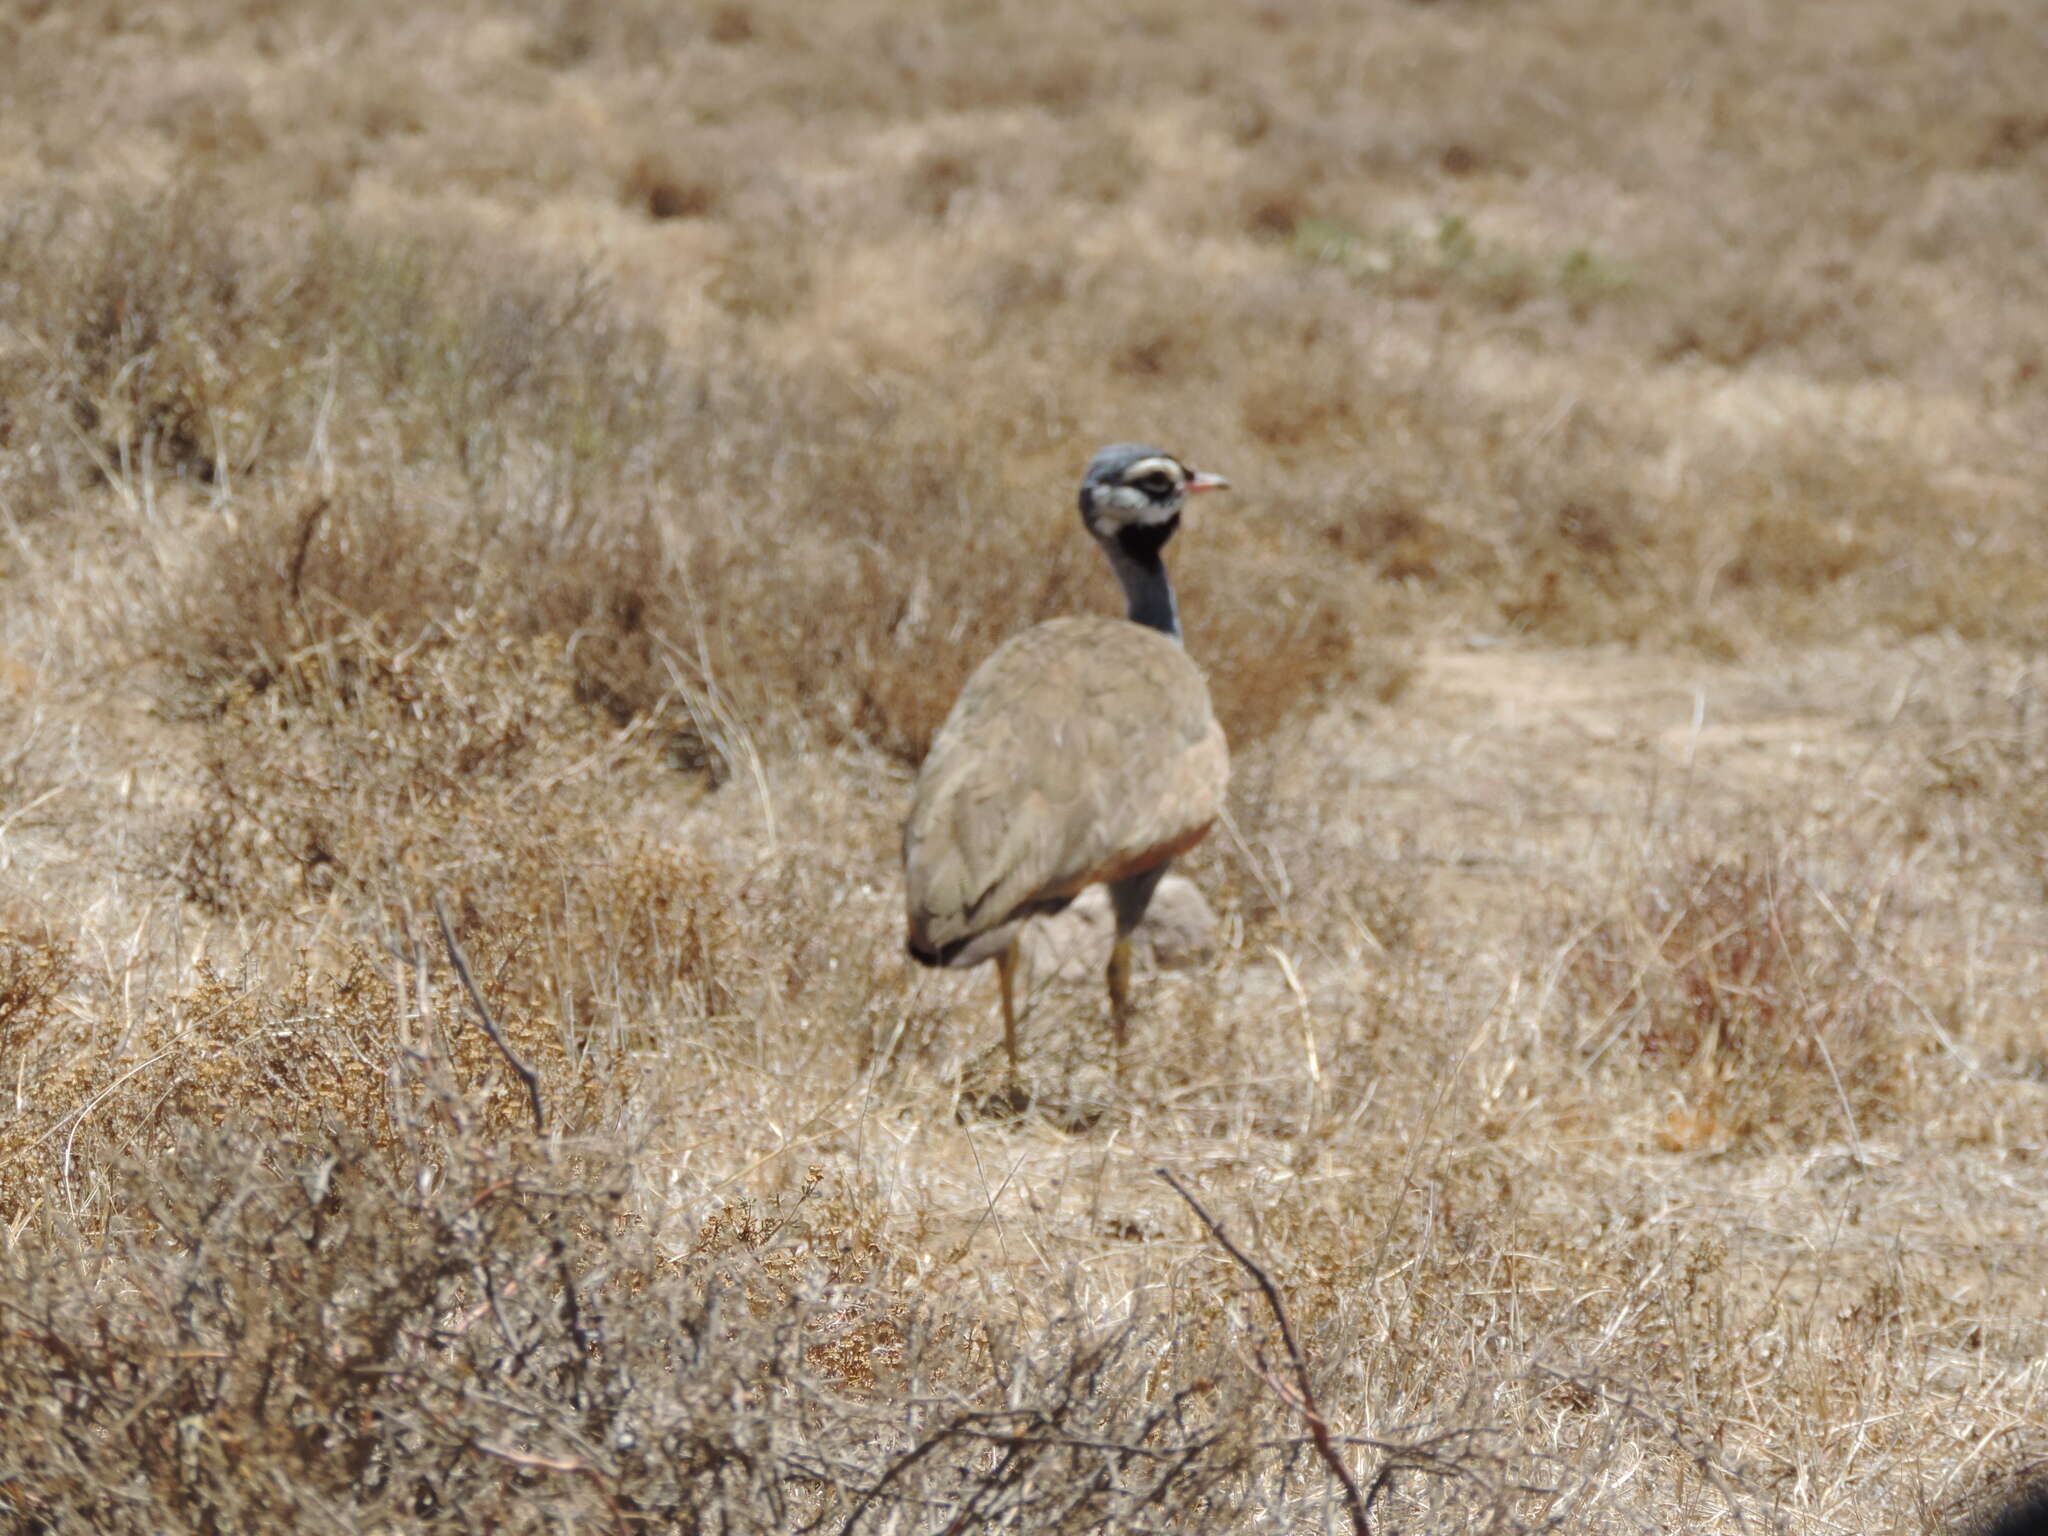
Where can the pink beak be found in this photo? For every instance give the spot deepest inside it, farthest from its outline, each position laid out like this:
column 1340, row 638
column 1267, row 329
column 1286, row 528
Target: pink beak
column 1201, row 482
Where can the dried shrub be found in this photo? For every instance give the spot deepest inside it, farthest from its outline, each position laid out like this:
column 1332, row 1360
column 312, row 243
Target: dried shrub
column 152, row 345
column 483, row 429
column 1737, row 981
column 449, row 1330
column 385, row 774
column 1978, row 789
column 660, row 189
column 316, row 1336
column 576, row 958
column 373, row 751
column 35, row 970
column 162, row 339
column 359, row 1048
column 389, row 398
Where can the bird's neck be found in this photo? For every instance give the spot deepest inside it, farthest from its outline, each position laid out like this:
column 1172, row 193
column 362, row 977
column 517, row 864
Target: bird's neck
column 1134, row 554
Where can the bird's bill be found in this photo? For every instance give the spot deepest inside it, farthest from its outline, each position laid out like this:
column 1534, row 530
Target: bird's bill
column 1201, row 482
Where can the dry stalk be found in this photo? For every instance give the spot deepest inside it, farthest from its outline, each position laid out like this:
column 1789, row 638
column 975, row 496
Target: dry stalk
column 490, row 1025
column 1303, row 1399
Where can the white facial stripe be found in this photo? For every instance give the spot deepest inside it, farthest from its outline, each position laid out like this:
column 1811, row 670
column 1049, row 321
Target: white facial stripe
column 1161, row 466
column 1146, row 493
column 1122, row 505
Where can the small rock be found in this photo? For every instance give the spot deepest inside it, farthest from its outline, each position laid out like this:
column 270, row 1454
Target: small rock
column 1179, row 926
column 1073, row 945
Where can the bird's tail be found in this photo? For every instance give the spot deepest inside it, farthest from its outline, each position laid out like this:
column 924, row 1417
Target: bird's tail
column 954, row 952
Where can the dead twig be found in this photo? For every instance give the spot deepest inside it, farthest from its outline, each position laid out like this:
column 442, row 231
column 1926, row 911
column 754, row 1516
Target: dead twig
column 570, row 1465
column 1625, row 1400
column 1303, row 1399
column 302, row 545
column 490, row 1025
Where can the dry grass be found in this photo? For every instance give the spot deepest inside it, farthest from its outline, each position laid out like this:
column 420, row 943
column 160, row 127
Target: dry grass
column 554, row 465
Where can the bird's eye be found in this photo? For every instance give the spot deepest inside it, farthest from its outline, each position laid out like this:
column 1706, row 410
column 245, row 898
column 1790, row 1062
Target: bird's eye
column 1157, row 484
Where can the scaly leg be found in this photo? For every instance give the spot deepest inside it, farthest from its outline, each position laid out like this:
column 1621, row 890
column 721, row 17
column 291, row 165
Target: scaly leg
column 1006, row 968
column 1128, row 898
column 1119, row 996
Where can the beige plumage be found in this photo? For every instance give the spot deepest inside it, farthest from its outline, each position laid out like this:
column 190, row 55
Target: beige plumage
column 1083, row 751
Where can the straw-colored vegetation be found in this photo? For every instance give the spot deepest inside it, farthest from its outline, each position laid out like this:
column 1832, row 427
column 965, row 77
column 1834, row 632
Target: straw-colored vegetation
column 548, row 467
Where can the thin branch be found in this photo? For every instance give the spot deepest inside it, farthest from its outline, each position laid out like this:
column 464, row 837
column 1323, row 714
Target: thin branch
column 543, row 1463
column 302, row 545
column 1703, row 1460
column 490, row 1025
column 469, row 1318
column 604, row 1480
column 1306, row 1406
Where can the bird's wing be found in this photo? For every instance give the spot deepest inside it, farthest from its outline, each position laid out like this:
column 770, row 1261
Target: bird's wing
column 1082, row 750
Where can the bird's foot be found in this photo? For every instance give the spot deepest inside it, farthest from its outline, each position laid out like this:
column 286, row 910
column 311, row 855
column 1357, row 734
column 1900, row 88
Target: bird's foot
column 1011, row 1101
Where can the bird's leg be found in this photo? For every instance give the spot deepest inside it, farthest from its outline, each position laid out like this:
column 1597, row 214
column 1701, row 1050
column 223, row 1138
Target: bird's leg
column 1006, row 969
column 1119, row 996
column 1128, row 898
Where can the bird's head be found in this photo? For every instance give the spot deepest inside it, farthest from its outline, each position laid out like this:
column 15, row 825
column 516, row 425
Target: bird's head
column 1133, row 494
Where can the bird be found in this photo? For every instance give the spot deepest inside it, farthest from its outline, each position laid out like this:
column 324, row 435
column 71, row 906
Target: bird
column 1083, row 751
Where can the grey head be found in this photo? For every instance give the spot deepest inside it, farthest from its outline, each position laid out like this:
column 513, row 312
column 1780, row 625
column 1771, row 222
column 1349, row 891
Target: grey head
column 1131, row 500
column 1135, row 493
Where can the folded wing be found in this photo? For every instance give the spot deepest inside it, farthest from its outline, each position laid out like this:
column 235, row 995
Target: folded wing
column 1083, row 750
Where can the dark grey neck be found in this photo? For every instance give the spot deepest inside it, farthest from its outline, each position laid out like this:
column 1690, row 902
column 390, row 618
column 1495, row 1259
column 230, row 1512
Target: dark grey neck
column 1134, row 554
